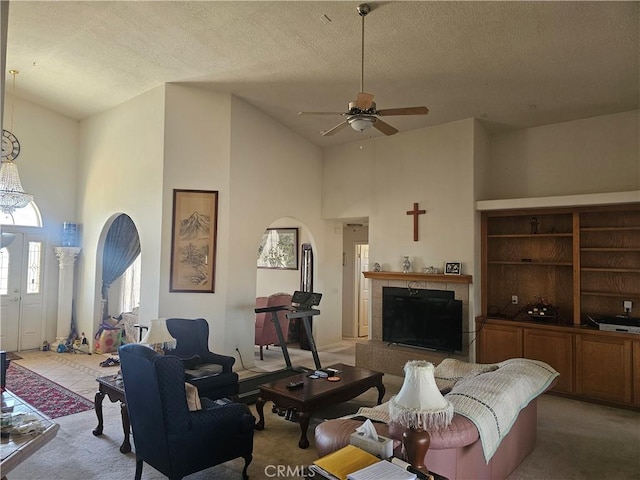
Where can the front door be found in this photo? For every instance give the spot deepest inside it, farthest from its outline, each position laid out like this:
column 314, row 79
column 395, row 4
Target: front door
column 21, row 274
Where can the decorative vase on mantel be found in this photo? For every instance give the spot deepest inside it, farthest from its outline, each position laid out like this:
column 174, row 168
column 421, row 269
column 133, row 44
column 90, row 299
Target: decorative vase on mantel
column 406, row 265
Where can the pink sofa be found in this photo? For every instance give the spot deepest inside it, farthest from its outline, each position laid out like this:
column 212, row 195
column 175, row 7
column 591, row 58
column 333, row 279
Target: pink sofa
column 455, row 453
column 485, row 392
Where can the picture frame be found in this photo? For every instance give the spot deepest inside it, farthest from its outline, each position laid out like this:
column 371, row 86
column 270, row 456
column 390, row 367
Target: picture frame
column 452, row 268
column 193, row 241
column 278, row 249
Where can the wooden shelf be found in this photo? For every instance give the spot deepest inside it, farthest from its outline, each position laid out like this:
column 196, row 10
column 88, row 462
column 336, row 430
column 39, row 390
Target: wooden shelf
column 610, row 270
column 530, row 235
column 552, row 264
column 609, row 249
column 608, row 229
column 419, row 277
column 611, row 294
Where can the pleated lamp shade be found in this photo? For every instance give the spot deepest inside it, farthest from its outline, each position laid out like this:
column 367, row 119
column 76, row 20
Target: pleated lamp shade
column 158, row 334
column 419, row 403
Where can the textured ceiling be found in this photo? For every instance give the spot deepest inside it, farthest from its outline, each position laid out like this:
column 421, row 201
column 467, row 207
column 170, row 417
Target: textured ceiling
column 512, row 64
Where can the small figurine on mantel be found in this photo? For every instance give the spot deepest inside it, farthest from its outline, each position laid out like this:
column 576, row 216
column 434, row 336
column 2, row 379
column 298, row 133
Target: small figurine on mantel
column 534, row 225
column 406, row 265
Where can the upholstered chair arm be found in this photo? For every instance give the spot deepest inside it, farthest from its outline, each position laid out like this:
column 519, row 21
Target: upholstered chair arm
column 225, row 360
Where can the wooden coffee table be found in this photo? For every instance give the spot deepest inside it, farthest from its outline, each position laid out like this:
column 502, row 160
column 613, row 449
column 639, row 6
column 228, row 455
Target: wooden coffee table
column 317, row 393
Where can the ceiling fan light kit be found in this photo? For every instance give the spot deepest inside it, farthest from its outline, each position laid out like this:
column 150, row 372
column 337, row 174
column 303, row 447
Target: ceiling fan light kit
column 362, row 113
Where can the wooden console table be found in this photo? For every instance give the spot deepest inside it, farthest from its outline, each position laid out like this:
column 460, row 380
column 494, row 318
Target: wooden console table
column 114, row 389
column 17, row 448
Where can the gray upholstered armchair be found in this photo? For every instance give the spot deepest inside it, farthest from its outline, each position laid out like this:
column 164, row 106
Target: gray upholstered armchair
column 167, row 435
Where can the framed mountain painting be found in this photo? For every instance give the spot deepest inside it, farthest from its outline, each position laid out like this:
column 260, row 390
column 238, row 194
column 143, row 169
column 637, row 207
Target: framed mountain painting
column 193, row 241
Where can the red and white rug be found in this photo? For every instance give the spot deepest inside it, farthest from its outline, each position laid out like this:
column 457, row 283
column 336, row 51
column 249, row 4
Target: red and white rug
column 50, row 398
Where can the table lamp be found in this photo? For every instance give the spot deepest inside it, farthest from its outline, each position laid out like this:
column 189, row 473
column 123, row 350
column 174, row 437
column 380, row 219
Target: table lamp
column 158, row 337
column 420, row 407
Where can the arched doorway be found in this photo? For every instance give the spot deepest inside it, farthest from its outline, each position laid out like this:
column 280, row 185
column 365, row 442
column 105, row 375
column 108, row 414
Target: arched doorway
column 119, row 265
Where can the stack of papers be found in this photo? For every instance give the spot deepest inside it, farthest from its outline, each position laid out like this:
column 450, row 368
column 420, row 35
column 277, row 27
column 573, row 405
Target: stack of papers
column 339, row 464
column 382, row 471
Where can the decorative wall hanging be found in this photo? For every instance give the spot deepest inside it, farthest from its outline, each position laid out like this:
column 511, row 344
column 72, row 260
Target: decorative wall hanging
column 193, row 241
column 279, row 249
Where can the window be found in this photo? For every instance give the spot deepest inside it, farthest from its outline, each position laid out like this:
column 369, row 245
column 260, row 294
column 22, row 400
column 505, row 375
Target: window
column 131, row 286
column 28, row 216
column 33, row 267
column 4, row 271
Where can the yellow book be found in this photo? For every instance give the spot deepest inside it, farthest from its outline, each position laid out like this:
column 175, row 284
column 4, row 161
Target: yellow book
column 347, row 460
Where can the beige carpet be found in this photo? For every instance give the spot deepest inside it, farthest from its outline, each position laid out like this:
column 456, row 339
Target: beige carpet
column 576, row 441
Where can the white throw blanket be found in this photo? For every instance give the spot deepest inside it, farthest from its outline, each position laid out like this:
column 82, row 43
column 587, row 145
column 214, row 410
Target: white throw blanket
column 493, row 400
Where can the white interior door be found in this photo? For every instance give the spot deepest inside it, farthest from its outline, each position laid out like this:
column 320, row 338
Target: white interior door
column 21, row 297
column 362, row 289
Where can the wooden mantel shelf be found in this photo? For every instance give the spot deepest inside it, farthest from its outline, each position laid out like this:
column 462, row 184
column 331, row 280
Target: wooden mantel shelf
column 418, row 277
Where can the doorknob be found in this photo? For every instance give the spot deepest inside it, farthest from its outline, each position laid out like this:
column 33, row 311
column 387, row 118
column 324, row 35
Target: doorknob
column 15, row 299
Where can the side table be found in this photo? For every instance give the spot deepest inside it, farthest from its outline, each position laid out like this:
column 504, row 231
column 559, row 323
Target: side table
column 112, row 386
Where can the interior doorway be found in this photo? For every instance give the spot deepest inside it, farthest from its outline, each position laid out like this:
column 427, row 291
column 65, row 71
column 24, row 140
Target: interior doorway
column 361, row 289
column 21, row 291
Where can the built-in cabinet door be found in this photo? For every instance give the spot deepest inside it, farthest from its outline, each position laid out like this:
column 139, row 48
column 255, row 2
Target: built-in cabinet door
column 603, row 368
column 554, row 348
column 499, row 342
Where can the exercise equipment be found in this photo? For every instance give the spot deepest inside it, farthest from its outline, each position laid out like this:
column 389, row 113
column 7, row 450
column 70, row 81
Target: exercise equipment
column 302, row 304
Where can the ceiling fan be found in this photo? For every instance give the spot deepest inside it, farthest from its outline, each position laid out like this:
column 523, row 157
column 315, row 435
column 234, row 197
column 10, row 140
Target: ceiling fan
column 362, row 113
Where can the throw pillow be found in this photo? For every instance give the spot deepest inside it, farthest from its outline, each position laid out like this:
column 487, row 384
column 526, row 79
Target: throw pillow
column 193, row 399
column 450, row 371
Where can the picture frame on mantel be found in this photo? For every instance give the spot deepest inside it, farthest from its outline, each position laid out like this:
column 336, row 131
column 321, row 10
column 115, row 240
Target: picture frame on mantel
column 452, row 268
column 193, row 241
column 279, row 249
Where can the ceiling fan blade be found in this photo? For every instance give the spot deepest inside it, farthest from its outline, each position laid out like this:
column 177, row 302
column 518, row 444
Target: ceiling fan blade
column 404, row 111
column 321, row 113
column 333, row 130
column 384, row 127
column 364, row 100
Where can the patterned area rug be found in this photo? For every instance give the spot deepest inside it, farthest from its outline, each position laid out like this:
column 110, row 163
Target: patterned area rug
column 50, row 398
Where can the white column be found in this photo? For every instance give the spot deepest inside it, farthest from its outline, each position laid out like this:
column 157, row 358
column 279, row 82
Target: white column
column 67, row 259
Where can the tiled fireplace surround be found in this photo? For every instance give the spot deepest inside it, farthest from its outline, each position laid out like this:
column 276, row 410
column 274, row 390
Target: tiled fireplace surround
column 378, row 355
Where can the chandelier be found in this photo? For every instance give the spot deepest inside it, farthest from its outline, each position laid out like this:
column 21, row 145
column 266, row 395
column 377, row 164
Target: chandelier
column 12, row 195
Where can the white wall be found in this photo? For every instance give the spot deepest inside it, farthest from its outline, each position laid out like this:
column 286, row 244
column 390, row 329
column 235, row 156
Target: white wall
column 431, row 166
column 48, row 165
column 593, row 155
column 121, row 171
column 274, row 174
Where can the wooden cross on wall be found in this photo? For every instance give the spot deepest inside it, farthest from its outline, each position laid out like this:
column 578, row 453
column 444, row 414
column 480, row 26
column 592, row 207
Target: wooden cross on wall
column 415, row 212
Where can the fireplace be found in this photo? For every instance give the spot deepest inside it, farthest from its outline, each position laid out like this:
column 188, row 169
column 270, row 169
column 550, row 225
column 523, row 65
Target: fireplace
column 379, row 355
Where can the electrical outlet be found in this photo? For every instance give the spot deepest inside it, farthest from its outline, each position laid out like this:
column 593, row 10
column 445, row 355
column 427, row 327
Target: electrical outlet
column 514, row 299
column 627, row 306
